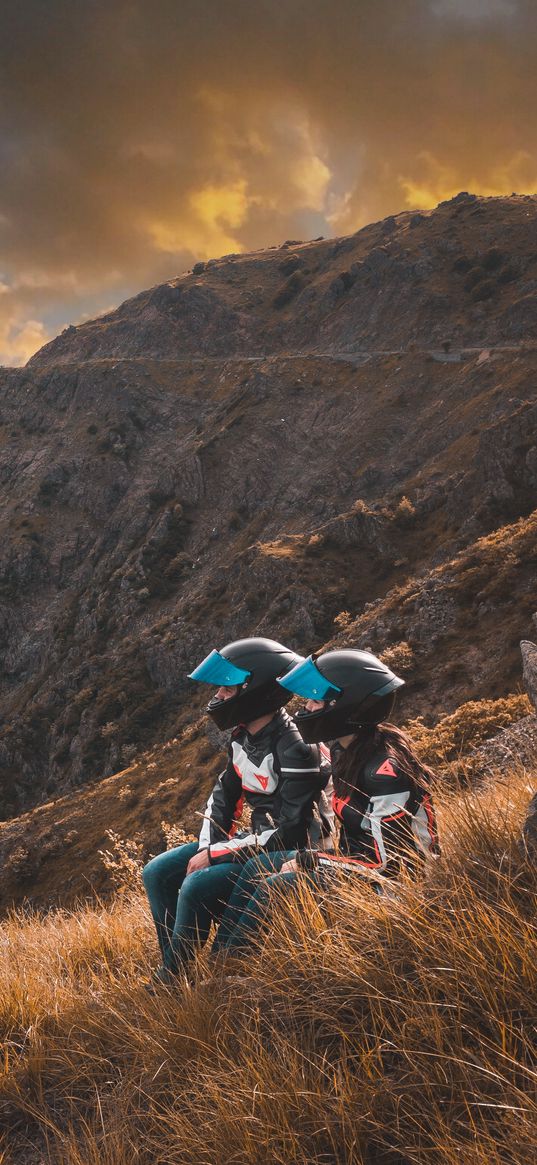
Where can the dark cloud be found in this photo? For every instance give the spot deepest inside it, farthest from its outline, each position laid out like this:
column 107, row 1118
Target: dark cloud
column 137, row 136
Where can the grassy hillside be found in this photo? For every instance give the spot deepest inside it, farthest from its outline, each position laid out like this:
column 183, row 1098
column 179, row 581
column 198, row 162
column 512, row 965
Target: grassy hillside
column 393, row 1031
column 50, row 856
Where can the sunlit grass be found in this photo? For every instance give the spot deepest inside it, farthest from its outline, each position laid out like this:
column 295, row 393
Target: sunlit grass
column 383, row 1031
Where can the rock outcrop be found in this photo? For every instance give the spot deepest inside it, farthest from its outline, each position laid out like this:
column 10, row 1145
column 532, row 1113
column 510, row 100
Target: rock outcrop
column 529, row 667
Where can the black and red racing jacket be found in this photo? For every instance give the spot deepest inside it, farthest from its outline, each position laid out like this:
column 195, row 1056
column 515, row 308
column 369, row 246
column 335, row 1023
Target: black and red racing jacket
column 385, row 818
column 282, row 780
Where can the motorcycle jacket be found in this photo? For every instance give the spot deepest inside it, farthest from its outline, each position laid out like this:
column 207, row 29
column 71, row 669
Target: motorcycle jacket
column 282, row 780
column 385, row 818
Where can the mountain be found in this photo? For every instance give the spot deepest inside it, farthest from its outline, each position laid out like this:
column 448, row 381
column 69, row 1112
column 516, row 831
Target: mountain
column 333, row 440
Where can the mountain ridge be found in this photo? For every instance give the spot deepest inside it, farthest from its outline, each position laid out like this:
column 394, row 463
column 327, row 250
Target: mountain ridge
column 158, row 504
column 320, row 292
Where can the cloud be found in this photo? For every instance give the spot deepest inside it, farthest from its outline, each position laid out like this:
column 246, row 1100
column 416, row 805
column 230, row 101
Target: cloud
column 437, row 182
column 203, row 225
column 137, row 137
column 20, row 337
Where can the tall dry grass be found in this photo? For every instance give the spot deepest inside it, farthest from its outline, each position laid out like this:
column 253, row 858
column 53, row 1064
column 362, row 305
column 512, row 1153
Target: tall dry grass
column 364, row 1031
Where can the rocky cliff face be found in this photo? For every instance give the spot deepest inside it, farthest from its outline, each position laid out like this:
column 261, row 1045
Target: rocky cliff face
column 327, row 439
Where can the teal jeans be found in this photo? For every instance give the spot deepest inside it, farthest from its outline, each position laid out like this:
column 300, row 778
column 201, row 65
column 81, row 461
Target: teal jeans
column 184, row 905
column 249, row 903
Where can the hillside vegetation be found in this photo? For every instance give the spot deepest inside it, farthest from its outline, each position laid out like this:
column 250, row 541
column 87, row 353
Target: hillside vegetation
column 273, row 443
column 50, row 856
column 364, row 1031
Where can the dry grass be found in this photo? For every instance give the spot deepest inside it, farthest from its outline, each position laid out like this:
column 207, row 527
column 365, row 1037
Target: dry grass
column 471, row 724
column 374, row 1031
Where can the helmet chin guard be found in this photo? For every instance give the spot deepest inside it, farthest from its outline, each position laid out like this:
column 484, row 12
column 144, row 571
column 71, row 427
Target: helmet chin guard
column 356, row 688
column 332, row 723
column 251, row 665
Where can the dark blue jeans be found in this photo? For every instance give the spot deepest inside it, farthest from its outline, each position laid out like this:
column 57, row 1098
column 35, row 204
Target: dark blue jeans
column 249, row 903
column 184, row 906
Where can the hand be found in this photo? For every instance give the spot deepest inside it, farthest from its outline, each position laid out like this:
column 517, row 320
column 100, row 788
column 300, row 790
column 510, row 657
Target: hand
column 200, row 861
column 289, row 867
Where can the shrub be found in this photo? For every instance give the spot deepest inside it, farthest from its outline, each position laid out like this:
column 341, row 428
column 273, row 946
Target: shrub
column 175, row 835
column 21, row 863
column 405, row 512
column 342, row 620
column 400, row 657
column 466, row 728
column 493, row 259
column 124, row 861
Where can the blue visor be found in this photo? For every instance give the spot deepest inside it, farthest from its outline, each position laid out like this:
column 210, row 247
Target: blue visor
column 216, row 669
column 306, row 680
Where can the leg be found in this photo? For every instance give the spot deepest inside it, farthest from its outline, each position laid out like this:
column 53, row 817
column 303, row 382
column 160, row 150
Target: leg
column 163, row 878
column 252, row 918
column 201, row 901
column 250, row 876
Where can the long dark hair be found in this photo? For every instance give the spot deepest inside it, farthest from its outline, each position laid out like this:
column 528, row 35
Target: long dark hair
column 367, row 741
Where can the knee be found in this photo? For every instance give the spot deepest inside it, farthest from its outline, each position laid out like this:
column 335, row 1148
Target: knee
column 168, row 867
column 251, row 870
column 190, row 890
column 262, row 893
column 280, row 883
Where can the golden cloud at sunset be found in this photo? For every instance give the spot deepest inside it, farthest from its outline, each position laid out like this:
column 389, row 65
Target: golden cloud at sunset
column 203, row 225
column 440, row 182
column 137, row 138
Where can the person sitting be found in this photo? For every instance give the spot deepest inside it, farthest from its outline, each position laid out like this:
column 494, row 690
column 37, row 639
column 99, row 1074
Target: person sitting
column 269, row 767
column 381, row 798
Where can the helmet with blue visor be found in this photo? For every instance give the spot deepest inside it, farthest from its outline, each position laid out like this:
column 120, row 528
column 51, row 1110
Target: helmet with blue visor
column 252, row 666
column 356, row 688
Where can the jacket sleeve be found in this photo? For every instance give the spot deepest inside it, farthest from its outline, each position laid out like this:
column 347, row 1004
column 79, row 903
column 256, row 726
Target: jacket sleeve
column 223, row 808
column 302, row 782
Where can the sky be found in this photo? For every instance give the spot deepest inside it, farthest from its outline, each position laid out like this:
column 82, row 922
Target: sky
column 139, row 136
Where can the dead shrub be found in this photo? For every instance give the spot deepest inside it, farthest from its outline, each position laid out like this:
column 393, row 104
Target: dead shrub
column 400, row 657
column 471, row 724
column 405, row 512
column 175, row 835
column 124, row 862
column 343, row 620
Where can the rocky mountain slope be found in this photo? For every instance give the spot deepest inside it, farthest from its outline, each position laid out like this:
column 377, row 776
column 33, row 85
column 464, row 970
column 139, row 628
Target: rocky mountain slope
column 330, row 439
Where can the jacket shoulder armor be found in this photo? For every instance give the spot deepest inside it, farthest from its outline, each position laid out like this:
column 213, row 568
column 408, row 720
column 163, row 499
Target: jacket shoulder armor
column 383, row 773
column 293, row 750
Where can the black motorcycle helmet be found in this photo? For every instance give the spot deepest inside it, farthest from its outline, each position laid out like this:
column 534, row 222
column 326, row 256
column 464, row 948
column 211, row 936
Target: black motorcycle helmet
column 252, row 665
column 357, row 690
